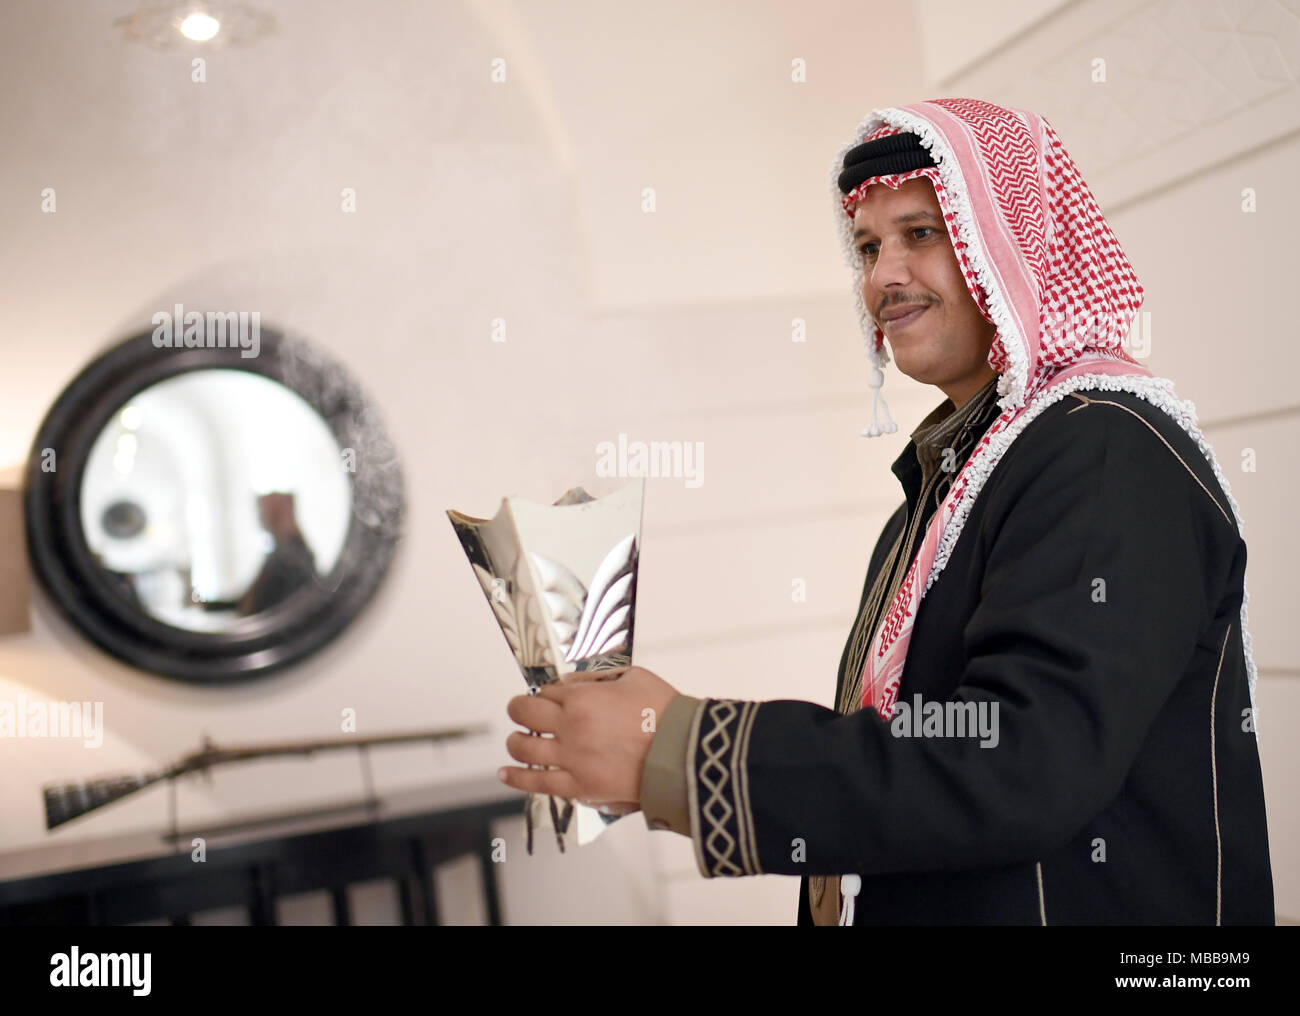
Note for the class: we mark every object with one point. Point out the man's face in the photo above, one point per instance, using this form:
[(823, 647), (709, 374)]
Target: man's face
[(909, 266)]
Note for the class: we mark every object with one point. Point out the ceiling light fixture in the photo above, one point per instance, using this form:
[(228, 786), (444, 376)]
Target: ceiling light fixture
[(187, 24), (200, 27)]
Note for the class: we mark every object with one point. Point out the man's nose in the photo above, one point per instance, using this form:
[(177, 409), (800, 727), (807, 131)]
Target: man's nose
[(891, 267)]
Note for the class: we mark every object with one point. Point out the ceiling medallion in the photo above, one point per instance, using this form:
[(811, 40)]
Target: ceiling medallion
[(188, 24)]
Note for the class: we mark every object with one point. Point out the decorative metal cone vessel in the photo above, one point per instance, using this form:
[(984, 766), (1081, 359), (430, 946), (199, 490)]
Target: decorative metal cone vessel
[(561, 580)]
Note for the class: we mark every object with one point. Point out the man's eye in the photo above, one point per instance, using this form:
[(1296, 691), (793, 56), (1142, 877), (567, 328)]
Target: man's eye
[(873, 252)]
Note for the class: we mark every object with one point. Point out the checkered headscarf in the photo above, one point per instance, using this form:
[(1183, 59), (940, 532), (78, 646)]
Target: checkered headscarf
[(1042, 265)]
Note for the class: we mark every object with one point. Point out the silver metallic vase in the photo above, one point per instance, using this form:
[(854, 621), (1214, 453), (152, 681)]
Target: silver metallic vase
[(561, 580)]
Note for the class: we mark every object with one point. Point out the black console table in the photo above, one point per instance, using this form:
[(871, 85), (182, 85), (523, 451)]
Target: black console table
[(147, 876)]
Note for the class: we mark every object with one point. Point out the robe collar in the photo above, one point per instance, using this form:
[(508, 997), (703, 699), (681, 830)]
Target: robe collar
[(932, 435)]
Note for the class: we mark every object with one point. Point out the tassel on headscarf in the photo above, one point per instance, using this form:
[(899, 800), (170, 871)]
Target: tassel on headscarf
[(876, 428), (850, 886)]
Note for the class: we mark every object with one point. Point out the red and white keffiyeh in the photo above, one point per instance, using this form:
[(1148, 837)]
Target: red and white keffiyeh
[(1042, 265)]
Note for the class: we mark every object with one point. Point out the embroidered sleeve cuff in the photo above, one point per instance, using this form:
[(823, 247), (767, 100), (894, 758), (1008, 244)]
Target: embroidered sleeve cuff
[(663, 779), (717, 788)]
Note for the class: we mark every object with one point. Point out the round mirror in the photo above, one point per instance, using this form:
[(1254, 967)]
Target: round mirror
[(205, 516), (209, 515)]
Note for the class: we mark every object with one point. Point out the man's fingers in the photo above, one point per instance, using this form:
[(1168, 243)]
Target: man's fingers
[(542, 751), (535, 713), (555, 782)]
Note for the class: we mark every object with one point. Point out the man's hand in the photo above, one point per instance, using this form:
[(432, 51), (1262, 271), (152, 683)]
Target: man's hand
[(600, 734)]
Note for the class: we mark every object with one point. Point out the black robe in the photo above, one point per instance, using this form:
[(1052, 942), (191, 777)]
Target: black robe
[(1094, 596)]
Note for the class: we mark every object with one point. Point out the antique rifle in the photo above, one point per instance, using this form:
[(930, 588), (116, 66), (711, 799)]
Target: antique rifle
[(66, 801)]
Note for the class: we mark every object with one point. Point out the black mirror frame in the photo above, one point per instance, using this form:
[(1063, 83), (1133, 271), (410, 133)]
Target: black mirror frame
[(257, 645)]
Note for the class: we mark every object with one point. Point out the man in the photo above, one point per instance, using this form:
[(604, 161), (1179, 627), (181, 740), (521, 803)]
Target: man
[(1045, 709)]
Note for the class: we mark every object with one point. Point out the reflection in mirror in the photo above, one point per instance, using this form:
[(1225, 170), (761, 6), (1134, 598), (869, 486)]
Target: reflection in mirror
[(213, 496)]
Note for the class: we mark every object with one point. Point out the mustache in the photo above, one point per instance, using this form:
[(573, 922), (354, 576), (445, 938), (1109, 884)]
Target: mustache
[(890, 304)]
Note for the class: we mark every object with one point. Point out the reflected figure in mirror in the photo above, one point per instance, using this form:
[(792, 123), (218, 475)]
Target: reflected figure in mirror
[(289, 566)]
